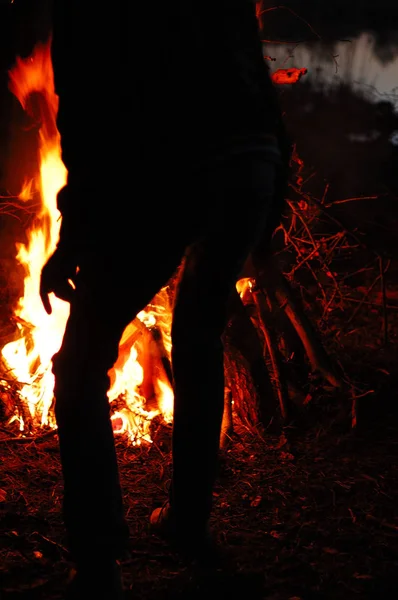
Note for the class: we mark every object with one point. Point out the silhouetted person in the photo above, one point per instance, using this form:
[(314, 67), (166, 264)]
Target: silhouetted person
[(173, 138)]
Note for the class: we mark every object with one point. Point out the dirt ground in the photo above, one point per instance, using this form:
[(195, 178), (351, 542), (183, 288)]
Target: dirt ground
[(306, 514)]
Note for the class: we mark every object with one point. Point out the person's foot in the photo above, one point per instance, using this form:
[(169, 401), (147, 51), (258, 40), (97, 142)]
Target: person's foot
[(191, 542), (96, 579)]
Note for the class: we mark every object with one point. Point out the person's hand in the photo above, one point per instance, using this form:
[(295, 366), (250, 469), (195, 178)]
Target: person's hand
[(57, 276)]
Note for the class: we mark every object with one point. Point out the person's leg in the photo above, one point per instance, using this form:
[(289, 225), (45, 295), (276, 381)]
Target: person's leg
[(108, 296), (243, 194)]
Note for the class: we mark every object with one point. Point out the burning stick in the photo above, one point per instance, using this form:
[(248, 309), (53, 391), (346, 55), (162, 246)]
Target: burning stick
[(277, 378), (253, 395), (227, 426)]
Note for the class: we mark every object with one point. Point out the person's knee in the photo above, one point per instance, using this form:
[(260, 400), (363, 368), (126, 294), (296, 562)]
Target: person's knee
[(80, 390), (196, 334)]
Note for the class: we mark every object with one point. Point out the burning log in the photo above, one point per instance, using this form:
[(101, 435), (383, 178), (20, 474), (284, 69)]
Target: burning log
[(156, 366), (163, 355), (8, 399), (271, 346), (14, 406), (227, 425), (247, 374)]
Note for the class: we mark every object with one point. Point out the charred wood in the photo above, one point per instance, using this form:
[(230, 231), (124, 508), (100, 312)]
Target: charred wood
[(252, 390)]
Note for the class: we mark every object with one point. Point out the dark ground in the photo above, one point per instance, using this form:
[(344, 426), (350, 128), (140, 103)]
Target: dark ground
[(310, 518)]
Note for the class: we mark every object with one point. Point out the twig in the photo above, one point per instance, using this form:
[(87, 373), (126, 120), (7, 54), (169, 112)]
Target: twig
[(368, 303), (366, 294), (310, 236), (382, 522), (272, 347), (56, 544), (345, 200), (261, 12), (283, 7), (299, 252), (334, 220), (28, 439), (383, 271)]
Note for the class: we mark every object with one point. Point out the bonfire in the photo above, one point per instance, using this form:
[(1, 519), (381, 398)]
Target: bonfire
[(27, 379)]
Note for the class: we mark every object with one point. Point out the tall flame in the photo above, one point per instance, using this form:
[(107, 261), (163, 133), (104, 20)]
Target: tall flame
[(29, 358)]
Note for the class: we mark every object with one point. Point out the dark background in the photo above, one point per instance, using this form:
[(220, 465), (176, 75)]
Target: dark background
[(322, 120), (343, 113)]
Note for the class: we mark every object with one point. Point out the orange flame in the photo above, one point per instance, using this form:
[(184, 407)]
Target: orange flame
[(29, 357)]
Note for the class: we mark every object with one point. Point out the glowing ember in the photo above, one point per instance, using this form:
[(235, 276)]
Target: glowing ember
[(28, 358), (244, 286), (288, 76)]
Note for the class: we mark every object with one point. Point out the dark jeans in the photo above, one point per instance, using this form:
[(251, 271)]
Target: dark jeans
[(112, 287)]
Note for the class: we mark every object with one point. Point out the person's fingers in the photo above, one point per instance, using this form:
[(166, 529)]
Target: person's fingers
[(55, 280), (44, 295), (64, 291)]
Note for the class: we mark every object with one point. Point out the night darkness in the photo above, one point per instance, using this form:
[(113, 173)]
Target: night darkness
[(305, 502)]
